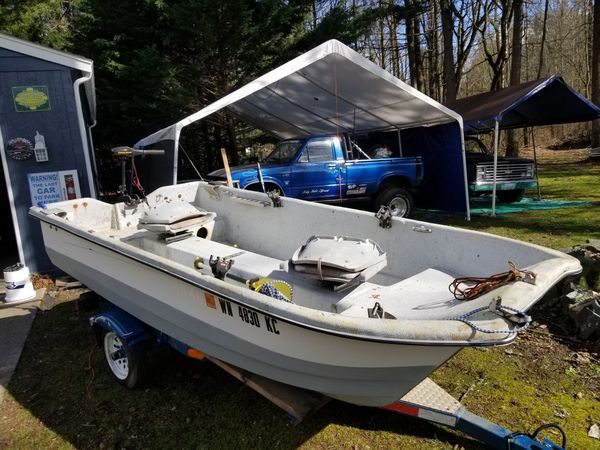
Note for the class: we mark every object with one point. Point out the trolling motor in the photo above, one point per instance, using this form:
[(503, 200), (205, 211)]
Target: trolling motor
[(125, 154)]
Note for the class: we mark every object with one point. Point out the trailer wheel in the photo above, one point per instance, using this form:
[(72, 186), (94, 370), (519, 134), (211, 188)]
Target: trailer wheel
[(127, 364), (397, 199)]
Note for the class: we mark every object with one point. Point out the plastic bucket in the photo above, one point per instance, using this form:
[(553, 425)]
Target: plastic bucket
[(18, 284)]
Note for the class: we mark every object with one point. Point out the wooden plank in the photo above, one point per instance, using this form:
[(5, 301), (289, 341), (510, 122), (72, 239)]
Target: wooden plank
[(226, 165), (297, 402), (67, 282)]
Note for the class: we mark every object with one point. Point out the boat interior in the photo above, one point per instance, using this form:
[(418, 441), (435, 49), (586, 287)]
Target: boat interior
[(324, 258)]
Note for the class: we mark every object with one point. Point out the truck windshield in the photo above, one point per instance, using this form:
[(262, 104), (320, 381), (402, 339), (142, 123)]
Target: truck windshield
[(284, 152), (475, 146)]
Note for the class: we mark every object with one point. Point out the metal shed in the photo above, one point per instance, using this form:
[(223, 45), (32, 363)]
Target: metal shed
[(47, 108)]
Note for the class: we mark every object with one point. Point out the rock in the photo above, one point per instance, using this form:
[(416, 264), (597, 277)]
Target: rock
[(579, 395), (563, 414), (583, 307), (593, 245), (594, 431), (581, 358)]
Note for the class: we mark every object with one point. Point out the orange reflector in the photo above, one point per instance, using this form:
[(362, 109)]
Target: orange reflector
[(403, 408), (210, 301), (193, 353)]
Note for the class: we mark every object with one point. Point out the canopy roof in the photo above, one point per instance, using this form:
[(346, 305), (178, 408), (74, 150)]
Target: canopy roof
[(540, 102), (330, 89)]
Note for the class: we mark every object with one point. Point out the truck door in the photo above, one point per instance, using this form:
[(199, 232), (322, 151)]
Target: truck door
[(316, 175)]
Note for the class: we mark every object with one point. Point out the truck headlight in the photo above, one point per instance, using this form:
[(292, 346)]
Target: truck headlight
[(480, 173), (530, 171)]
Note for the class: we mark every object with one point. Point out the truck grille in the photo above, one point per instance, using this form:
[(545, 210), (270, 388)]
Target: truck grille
[(508, 172)]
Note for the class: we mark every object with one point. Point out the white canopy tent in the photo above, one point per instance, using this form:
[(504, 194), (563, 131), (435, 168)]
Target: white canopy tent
[(329, 90)]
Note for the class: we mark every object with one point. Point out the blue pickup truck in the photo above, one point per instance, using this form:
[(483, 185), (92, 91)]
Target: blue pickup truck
[(335, 170)]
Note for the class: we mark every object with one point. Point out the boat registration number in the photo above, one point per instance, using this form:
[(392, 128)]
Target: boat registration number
[(250, 317)]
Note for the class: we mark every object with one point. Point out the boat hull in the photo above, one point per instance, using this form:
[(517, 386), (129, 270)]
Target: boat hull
[(354, 370)]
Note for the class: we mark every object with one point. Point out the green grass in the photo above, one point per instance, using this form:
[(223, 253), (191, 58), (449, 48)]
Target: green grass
[(557, 228), (55, 401)]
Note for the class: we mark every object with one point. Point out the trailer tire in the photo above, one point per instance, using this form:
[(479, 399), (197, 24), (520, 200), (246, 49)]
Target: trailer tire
[(128, 364), (397, 199)]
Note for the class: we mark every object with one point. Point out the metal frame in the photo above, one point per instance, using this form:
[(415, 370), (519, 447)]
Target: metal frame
[(427, 400)]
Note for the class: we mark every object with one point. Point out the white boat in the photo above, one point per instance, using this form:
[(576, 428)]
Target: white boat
[(360, 312)]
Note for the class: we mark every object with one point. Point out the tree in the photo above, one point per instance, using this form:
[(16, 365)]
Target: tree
[(43, 21), (543, 39), (512, 147), (447, 36), (497, 56), (596, 73)]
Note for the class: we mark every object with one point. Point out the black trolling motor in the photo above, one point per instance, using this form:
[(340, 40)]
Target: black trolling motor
[(125, 154)]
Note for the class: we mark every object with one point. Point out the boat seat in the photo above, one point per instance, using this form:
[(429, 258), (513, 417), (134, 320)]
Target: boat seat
[(414, 296), (246, 265), (176, 218), (340, 259)]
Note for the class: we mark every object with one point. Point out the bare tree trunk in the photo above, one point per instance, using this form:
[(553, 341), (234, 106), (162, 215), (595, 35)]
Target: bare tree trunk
[(498, 56), (416, 41), (512, 145), (395, 47), (596, 73), (410, 41), (382, 62), (543, 42), (433, 50), (449, 74)]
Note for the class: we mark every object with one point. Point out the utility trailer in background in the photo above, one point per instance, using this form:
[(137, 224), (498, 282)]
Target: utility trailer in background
[(125, 339)]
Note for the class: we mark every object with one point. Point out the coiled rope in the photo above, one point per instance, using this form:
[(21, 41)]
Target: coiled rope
[(468, 288)]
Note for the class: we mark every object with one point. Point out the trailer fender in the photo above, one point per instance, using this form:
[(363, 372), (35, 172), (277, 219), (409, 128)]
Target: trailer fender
[(127, 327)]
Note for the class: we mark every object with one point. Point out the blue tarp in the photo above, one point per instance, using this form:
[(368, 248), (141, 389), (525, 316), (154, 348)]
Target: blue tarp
[(440, 147), (535, 103)]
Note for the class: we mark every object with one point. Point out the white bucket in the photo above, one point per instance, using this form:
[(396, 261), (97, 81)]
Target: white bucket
[(18, 284)]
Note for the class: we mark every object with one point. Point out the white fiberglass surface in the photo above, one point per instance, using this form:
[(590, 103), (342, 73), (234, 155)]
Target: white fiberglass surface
[(264, 239)]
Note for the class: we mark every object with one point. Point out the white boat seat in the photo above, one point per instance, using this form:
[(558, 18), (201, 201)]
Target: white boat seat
[(420, 295), (174, 218), (339, 258)]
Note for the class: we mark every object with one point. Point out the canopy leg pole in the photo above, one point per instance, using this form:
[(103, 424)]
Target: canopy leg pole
[(535, 165), (399, 142), (496, 133)]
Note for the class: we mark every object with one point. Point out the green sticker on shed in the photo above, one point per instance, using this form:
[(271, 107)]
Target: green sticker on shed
[(31, 98)]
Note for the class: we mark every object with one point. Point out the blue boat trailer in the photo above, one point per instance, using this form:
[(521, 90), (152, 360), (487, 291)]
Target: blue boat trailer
[(426, 401)]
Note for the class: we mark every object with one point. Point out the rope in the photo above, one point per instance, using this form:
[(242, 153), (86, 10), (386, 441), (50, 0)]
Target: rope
[(269, 289), (135, 180), (192, 162), (502, 311), (88, 386), (469, 288)]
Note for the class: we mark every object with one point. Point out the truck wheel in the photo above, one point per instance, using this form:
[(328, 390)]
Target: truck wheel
[(512, 196), (127, 364), (397, 199)]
